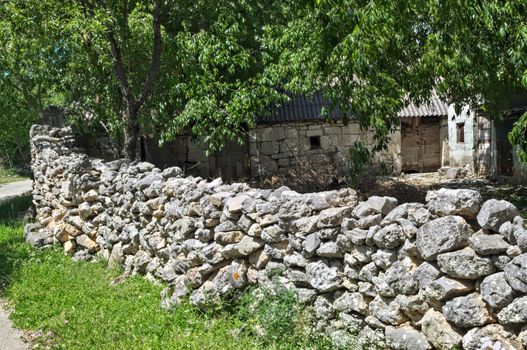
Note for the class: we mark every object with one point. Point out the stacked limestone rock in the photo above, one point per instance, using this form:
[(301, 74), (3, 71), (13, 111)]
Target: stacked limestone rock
[(452, 272)]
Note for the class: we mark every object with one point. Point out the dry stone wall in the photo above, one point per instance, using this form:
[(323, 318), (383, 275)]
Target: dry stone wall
[(451, 272)]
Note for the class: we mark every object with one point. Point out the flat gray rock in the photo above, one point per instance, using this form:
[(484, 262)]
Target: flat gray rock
[(484, 244), (352, 302), (384, 258), (333, 216), (495, 290), (447, 201), (466, 312), (438, 331), (322, 277), (494, 213), (249, 245), (489, 337), (329, 250), (406, 338), (400, 277), (515, 312), (426, 273), (389, 237), (36, 236), (466, 264), (446, 288), (382, 205), (312, 242), (442, 235), (516, 273), (387, 311)]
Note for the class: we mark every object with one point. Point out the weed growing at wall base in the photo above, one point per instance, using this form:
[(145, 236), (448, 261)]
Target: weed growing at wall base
[(279, 321)]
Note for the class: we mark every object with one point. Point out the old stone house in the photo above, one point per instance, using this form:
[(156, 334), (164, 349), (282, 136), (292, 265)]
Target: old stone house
[(467, 138), (294, 133), (430, 137), (424, 136)]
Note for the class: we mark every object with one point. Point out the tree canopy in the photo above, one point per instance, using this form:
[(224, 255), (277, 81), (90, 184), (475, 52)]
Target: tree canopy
[(146, 67), (382, 54), (156, 67)]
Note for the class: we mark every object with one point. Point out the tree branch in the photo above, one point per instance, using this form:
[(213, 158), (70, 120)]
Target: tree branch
[(120, 71), (155, 62)]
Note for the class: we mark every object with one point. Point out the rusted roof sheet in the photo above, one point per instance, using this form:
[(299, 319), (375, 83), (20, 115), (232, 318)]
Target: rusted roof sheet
[(300, 108), (435, 107)]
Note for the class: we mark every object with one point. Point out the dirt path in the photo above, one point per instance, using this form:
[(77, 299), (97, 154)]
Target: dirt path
[(10, 338), (14, 189)]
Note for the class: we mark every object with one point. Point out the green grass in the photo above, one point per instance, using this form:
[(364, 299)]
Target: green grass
[(9, 175), (10, 210), (76, 306)]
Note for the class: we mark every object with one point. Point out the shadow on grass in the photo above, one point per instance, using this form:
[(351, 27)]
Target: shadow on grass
[(11, 208), (13, 249)]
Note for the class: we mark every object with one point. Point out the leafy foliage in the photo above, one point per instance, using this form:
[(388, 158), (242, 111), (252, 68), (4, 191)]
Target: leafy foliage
[(382, 54), (223, 62), (30, 69), (360, 155), (210, 75)]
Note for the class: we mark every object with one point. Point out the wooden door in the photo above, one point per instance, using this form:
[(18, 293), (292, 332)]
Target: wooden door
[(420, 144)]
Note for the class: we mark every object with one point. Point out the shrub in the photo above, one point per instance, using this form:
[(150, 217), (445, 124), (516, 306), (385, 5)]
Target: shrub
[(278, 321)]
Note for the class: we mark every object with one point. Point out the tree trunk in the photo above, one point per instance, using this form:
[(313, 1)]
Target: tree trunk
[(131, 135), (133, 104)]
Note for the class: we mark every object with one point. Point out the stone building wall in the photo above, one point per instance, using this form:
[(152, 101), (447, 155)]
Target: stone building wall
[(274, 149), (487, 152), (520, 168), (462, 152), (451, 272)]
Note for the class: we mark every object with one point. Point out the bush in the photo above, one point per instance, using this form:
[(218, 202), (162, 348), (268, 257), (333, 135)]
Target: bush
[(278, 321), (327, 172)]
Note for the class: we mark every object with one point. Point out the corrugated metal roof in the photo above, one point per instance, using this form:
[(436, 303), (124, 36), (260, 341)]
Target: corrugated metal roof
[(300, 108), (435, 107)]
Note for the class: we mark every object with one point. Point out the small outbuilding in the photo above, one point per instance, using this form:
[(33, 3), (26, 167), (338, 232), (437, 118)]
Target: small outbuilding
[(298, 131)]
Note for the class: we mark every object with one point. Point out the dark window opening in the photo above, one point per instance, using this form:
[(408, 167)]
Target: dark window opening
[(314, 141), (461, 132)]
